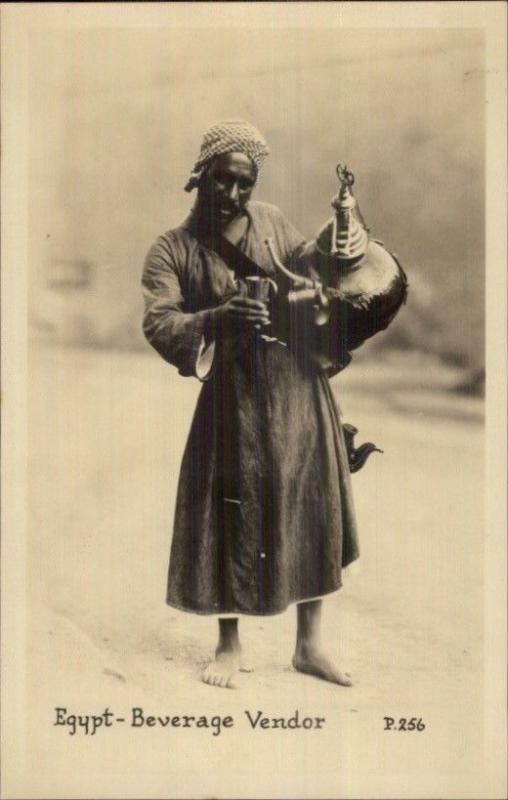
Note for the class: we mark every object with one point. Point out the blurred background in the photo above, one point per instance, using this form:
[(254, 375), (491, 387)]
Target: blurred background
[(116, 122)]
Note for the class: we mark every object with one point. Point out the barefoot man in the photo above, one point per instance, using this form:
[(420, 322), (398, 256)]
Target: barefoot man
[(264, 514)]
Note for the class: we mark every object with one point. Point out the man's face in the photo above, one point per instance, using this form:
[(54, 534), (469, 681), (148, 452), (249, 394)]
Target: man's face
[(227, 186)]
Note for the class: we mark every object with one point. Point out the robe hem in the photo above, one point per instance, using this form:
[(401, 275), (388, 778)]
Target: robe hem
[(225, 614)]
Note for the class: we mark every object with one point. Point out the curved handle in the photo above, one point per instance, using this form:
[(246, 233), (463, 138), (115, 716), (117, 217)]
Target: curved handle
[(273, 285), (321, 302)]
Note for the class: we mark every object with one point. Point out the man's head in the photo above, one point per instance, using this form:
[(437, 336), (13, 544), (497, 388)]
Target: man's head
[(228, 137), (226, 186)]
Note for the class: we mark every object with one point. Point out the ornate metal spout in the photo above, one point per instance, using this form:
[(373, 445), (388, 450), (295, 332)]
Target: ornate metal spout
[(357, 456)]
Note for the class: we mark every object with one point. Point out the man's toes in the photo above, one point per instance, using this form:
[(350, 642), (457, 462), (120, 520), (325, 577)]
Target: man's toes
[(231, 683)]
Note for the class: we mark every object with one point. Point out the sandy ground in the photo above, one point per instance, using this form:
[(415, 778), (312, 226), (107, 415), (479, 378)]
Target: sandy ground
[(106, 436)]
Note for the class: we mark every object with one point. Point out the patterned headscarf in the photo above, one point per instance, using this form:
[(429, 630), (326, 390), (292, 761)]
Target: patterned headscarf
[(228, 136)]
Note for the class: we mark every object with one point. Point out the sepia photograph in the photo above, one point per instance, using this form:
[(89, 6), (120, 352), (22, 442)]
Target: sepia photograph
[(254, 362)]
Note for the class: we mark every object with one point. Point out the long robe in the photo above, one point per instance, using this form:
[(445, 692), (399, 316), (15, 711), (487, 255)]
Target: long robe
[(264, 512)]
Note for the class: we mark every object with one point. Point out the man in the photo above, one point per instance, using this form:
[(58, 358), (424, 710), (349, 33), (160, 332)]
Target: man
[(264, 514)]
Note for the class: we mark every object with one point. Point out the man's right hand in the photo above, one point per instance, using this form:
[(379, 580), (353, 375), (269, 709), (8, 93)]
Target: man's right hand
[(240, 311)]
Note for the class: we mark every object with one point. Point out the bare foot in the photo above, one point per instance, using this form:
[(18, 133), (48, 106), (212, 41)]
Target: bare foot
[(311, 660), (223, 670)]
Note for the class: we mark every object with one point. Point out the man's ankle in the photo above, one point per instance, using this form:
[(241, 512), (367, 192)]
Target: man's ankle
[(229, 646), (307, 644)]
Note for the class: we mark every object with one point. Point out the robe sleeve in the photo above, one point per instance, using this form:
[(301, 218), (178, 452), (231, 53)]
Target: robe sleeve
[(181, 337)]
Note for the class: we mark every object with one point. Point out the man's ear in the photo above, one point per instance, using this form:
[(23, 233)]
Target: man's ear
[(205, 175), (202, 182)]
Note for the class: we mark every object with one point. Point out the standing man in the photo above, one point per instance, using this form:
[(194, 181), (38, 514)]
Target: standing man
[(264, 513)]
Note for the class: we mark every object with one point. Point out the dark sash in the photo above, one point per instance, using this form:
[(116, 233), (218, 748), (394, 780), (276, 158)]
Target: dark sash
[(234, 258)]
